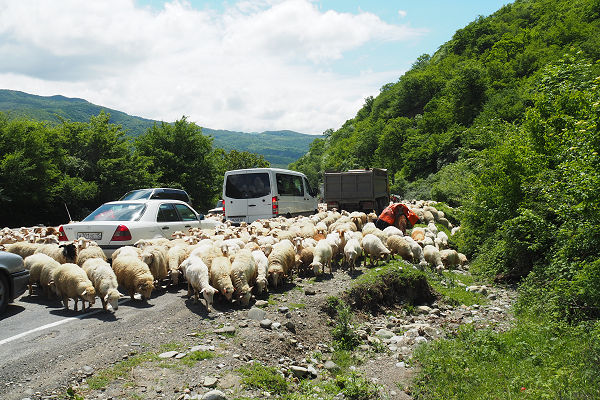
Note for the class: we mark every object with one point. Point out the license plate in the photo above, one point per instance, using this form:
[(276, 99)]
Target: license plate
[(237, 219), (90, 235)]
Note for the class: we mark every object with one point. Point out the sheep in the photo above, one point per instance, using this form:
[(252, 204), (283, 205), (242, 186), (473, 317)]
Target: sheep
[(156, 258), (243, 275), (418, 234), (24, 249), (262, 264), (392, 230), (175, 256), (398, 245), (64, 253), (449, 258), (417, 252), (304, 258), (151, 242), (71, 282), (104, 280), (281, 261), (39, 264), (462, 259), (220, 276), (322, 257), (133, 275), (433, 258), (126, 251), (196, 274), (90, 250), (352, 250), (374, 248)]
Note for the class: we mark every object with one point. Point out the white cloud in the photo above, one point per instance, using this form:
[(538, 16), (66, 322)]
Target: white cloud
[(259, 65), (402, 13)]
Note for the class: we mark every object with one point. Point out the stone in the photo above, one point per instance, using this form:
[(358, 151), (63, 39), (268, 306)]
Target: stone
[(384, 334), (168, 354), (225, 330), (310, 291), (210, 381), (88, 370), (230, 381), (276, 325), (266, 323), (202, 347), (290, 326), (180, 356), (283, 309), (330, 365), (214, 395), (312, 371), (423, 309), (298, 372), (261, 303), (256, 314), (401, 364)]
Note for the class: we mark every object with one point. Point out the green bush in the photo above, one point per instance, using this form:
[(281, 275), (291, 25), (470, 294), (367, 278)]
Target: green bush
[(264, 378), (344, 335)]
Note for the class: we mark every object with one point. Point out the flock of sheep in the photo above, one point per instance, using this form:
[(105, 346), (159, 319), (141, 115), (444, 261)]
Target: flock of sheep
[(233, 262)]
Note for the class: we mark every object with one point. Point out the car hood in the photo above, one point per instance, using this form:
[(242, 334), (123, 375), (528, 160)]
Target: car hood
[(12, 262)]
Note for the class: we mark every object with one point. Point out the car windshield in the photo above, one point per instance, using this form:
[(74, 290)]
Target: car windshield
[(137, 194), (117, 212), (247, 186)]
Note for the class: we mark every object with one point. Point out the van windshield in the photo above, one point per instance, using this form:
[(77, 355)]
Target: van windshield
[(247, 186)]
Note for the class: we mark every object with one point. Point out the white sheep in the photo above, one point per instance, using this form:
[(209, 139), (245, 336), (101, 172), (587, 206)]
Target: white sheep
[(243, 275), (392, 230), (64, 253), (433, 258), (196, 274), (398, 245), (262, 266), (175, 256), (24, 249), (35, 264), (71, 282), (450, 258), (220, 276), (374, 248), (88, 250), (127, 251), (156, 259), (322, 257), (133, 275), (352, 251), (104, 280), (281, 261)]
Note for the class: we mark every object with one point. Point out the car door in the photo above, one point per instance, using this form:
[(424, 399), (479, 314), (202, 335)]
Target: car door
[(168, 220), (189, 219)]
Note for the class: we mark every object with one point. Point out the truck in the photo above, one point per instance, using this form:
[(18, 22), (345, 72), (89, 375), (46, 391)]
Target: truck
[(357, 190)]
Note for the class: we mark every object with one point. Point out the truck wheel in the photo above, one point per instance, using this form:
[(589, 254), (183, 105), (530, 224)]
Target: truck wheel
[(4, 293)]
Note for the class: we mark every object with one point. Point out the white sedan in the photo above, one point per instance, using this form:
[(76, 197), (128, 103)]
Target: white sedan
[(122, 223)]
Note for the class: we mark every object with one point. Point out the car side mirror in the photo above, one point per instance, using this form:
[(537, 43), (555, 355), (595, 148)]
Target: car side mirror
[(314, 192), (200, 217)]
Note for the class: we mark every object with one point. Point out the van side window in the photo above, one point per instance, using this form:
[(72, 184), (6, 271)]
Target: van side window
[(289, 185), (307, 186)]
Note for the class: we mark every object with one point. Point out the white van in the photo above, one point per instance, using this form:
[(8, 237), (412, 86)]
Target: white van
[(260, 193)]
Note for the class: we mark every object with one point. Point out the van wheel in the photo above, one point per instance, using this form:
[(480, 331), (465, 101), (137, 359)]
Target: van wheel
[(288, 215)]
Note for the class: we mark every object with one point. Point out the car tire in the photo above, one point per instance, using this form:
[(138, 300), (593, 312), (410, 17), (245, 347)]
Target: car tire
[(4, 293)]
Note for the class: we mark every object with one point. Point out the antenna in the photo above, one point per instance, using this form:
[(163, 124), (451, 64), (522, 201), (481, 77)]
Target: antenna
[(68, 213)]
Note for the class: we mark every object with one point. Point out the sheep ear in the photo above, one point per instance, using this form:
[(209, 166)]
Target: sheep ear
[(84, 292)]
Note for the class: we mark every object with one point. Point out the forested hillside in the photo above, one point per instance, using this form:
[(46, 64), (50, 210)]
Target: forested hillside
[(501, 123), (278, 147)]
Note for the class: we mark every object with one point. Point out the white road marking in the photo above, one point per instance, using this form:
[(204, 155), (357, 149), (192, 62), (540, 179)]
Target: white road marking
[(52, 325)]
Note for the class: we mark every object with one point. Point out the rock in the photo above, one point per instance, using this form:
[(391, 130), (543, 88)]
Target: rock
[(423, 309), (230, 381), (298, 372), (225, 330), (283, 309), (310, 291), (401, 364), (210, 381), (290, 326), (330, 365), (312, 371), (276, 325), (384, 334), (168, 354), (266, 323), (88, 370), (180, 356), (202, 347), (256, 314), (214, 395), (261, 303)]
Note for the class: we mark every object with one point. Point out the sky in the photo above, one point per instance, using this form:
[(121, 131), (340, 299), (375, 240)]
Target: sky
[(242, 65)]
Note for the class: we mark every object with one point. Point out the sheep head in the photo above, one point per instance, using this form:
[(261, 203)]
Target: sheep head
[(89, 295), (174, 275), (208, 293), (228, 292), (70, 252), (145, 288), (261, 285), (112, 298), (317, 268)]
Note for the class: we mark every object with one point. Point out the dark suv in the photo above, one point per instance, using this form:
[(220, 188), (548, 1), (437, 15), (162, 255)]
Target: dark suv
[(157, 193)]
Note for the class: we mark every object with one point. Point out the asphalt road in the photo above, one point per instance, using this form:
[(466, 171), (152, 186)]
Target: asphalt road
[(42, 345)]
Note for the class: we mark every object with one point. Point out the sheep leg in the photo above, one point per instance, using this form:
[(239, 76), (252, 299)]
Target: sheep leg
[(189, 294), (66, 302), (30, 288), (195, 296), (76, 303), (132, 293), (103, 303)]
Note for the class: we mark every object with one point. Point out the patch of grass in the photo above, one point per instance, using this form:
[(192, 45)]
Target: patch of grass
[(390, 285), (352, 386), (192, 358), (343, 333), (296, 306), (452, 292), (202, 334), (331, 305), (119, 370), (173, 346), (269, 379), (536, 359)]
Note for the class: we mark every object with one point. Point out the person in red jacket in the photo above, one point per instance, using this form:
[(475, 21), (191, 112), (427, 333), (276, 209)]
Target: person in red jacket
[(398, 215)]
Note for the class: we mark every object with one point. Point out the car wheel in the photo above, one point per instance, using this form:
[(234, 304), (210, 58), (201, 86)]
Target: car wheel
[(4, 293)]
